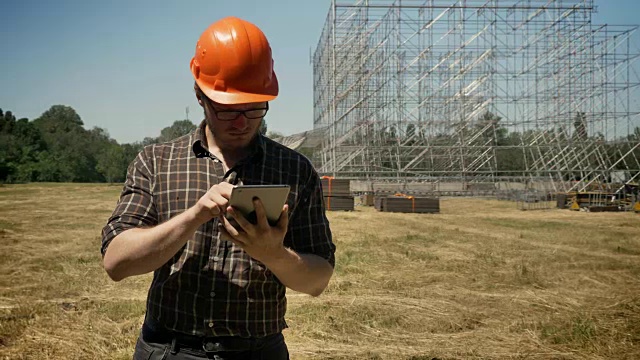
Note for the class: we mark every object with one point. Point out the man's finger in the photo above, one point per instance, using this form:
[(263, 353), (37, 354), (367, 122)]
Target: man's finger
[(229, 228), (244, 224), (211, 206), (261, 213), (225, 189), (224, 235), (283, 221), (219, 199), (237, 239)]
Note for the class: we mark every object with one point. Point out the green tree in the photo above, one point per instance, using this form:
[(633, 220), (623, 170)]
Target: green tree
[(56, 147), (491, 128), (59, 119), (307, 151), (177, 129), (112, 163), (71, 151), (20, 144), (510, 158), (53, 167), (410, 134), (580, 126)]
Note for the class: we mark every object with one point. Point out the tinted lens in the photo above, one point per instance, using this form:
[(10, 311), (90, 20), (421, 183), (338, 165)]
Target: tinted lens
[(255, 113), (249, 114), (227, 115)]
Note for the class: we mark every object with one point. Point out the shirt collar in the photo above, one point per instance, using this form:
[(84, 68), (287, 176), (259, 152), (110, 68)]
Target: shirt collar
[(199, 144)]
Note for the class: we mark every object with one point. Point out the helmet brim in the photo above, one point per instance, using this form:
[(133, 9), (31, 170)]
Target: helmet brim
[(231, 96)]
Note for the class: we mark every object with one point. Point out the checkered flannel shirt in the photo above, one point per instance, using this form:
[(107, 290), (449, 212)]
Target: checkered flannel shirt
[(212, 287)]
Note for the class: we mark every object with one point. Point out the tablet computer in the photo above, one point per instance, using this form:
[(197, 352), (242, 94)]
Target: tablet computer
[(273, 198)]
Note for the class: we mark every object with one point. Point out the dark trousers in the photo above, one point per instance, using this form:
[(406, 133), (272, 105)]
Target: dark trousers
[(155, 346)]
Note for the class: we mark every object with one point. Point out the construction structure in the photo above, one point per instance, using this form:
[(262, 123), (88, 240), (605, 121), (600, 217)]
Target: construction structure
[(476, 93)]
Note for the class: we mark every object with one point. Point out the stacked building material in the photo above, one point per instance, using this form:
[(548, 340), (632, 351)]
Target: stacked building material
[(337, 194), (408, 204), (364, 200), (561, 201), (377, 202)]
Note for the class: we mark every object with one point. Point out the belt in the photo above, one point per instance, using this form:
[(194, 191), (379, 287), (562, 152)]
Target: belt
[(207, 344)]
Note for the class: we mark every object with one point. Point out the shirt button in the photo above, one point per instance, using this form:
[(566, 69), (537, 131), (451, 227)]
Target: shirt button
[(211, 324), (213, 293)]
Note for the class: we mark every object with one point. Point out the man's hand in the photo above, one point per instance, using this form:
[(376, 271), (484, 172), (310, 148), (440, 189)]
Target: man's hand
[(261, 241), (141, 250), (213, 203), (306, 273)]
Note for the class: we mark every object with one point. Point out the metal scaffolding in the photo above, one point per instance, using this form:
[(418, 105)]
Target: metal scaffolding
[(476, 92)]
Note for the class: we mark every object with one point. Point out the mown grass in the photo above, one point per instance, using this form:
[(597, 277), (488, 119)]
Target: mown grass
[(480, 280)]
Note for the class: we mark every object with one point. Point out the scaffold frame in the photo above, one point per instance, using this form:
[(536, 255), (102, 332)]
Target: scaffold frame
[(476, 92)]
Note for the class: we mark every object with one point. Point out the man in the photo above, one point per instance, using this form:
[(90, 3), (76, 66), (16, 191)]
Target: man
[(218, 291)]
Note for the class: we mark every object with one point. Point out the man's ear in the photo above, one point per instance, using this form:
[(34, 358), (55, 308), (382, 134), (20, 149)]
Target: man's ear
[(199, 98)]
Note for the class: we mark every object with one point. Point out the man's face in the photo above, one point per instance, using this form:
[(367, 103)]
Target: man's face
[(234, 125)]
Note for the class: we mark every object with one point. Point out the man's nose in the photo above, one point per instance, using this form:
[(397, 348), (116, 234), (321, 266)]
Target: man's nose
[(241, 122)]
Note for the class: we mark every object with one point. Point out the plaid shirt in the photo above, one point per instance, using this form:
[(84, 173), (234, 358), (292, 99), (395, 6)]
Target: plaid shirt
[(212, 287)]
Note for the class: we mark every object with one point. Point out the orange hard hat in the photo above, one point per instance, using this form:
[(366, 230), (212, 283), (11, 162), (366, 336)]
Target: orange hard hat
[(233, 63)]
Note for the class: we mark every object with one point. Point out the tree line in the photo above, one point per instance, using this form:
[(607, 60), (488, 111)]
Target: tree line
[(56, 147)]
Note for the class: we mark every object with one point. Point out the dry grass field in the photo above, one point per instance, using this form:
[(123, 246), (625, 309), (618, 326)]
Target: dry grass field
[(481, 280)]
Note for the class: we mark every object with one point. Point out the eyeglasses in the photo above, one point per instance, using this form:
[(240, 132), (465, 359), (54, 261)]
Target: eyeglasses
[(228, 115)]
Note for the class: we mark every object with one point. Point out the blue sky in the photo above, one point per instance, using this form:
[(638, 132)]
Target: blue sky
[(123, 65)]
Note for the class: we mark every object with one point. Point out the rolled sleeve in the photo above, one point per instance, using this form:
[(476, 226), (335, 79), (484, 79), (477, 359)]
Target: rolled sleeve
[(135, 207), (309, 230)]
